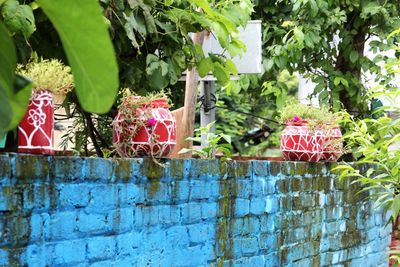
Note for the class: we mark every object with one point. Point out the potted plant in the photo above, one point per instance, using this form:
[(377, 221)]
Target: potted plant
[(310, 133), (50, 78), (144, 126)]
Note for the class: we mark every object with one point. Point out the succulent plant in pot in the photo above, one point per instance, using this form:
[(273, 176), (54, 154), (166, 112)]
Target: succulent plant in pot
[(50, 78), (144, 126), (310, 133)]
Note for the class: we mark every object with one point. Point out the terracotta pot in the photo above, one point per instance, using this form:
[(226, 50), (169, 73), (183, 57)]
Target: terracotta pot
[(300, 143), (155, 131), (35, 131)]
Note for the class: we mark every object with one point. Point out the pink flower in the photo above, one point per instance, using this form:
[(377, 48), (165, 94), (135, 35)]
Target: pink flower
[(296, 118), (151, 122)]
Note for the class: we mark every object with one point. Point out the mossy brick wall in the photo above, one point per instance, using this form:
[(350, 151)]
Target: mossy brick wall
[(66, 211)]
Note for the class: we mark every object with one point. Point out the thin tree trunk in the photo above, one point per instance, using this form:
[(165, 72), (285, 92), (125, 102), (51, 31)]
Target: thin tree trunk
[(189, 109), (91, 130), (344, 65)]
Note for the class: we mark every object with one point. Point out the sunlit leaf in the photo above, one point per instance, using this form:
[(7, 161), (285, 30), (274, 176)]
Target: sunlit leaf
[(89, 50)]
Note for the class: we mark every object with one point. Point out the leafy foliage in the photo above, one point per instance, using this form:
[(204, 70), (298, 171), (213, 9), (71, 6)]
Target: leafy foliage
[(151, 40), (14, 90), (325, 41), (89, 52), (212, 141), (248, 105), (375, 142), (18, 18), (153, 43)]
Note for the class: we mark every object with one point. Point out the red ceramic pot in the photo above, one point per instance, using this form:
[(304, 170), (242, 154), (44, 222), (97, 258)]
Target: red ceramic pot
[(151, 132), (332, 146), (35, 131), (300, 143)]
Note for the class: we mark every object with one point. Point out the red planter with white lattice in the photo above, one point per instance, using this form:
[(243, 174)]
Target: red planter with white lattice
[(300, 142), (35, 131), (150, 130), (332, 146)]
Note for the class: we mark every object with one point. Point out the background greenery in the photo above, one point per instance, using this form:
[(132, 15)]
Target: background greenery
[(320, 39)]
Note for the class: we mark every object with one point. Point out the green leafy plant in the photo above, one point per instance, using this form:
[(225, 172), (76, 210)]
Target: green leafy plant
[(89, 52), (294, 111), (51, 75), (327, 41), (156, 35), (375, 144), (212, 141)]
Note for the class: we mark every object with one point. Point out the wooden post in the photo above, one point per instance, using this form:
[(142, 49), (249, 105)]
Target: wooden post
[(185, 125)]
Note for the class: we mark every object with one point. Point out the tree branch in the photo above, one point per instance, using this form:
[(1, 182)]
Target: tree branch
[(91, 130)]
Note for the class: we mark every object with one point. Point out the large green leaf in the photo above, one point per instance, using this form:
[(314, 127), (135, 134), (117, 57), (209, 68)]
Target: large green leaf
[(14, 91), (8, 60), (90, 53), (19, 100), (18, 18)]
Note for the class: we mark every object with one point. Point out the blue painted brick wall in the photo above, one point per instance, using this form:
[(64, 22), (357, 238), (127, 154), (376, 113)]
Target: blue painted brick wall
[(66, 211)]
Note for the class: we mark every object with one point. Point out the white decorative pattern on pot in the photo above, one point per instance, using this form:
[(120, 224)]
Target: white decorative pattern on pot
[(35, 131), (299, 143), (332, 146), (151, 133)]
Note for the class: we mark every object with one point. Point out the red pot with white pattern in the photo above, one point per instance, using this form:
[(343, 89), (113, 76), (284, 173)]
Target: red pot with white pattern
[(332, 146), (146, 130), (35, 131), (299, 142)]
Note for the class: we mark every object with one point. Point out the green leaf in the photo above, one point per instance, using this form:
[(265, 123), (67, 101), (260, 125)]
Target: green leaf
[(6, 112), (222, 33), (221, 73), (395, 207), (268, 64), (18, 18), (131, 35), (19, 101), (14, 90), (336, 81), (89, 50), (168, 2), (299, 35), (344, 82), (231, 66), (236, 48), (179, 59), (8, 60), (226, 137), (203, 4), (157, 71), (205, 66), (353, 56)]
